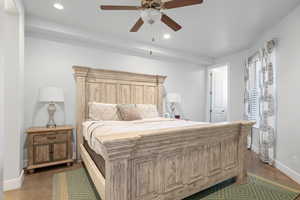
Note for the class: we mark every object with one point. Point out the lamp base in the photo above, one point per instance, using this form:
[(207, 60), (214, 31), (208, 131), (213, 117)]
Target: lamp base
[(51, 126), (51, 111), (173, 110)]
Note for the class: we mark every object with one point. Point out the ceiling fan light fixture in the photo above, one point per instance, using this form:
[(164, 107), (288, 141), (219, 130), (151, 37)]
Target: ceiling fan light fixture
[(151, 11), (151, 15)]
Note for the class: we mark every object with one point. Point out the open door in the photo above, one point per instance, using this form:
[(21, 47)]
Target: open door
[(218, 94)]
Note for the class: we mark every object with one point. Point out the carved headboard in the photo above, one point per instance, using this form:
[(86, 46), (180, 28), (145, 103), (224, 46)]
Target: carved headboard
[(115, 87)]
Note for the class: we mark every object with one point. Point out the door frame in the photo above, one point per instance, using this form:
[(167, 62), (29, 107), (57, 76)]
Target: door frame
[(1, 121), (208, 85)]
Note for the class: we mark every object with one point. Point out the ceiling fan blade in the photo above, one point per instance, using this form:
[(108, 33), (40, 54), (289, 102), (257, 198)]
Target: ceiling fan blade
[(170, 22), (137, 25), (180, 3), (108, 7)]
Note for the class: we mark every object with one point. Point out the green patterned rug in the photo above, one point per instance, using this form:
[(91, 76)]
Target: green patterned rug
[(76, 185)]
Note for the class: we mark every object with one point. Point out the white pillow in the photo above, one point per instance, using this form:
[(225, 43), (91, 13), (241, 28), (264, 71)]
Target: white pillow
[(147, 110), (103, 112)]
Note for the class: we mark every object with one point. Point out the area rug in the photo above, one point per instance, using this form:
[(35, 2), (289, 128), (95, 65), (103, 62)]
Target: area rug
[(76, 185)]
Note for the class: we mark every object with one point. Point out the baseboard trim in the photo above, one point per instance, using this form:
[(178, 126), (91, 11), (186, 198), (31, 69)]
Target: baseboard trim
[(282, 167), (288, 171), (15, 183)]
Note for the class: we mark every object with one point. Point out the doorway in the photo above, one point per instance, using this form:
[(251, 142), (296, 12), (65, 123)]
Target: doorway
[(218, 94)]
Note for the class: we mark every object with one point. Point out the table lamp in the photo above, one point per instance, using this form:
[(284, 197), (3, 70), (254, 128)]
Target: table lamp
[(174, 99), (51, 95)]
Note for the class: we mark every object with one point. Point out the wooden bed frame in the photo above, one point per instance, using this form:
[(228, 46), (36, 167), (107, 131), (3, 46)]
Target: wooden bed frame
[(167, 164)]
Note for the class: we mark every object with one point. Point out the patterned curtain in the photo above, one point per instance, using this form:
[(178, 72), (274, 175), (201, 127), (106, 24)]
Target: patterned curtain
[(267, 116), (267, 102), (247, 100)]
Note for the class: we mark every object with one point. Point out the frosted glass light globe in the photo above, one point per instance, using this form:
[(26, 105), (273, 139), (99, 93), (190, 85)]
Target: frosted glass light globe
[(151, 15)]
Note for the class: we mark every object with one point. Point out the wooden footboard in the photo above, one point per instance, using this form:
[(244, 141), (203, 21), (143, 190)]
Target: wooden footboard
[(174, 164)]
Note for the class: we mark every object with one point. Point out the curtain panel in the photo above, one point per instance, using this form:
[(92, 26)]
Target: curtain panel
[(247, 100), (267, 102)]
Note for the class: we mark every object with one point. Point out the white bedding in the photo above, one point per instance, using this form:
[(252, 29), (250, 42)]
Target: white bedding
[(94, 130)]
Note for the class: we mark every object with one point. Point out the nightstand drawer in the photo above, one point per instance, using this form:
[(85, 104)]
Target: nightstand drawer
[(50, 138)]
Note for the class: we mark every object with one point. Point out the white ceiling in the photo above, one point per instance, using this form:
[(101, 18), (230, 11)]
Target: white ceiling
[(213, 29)]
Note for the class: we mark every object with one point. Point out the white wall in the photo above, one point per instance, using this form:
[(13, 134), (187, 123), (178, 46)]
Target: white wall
[(236, 84), (1, 122), (1, 119), (21, 88), (288, 69), (1, 106), (12, 41), (49, 63)]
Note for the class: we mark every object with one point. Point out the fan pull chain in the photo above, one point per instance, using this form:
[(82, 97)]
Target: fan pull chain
[(152, 40), (151, 52)]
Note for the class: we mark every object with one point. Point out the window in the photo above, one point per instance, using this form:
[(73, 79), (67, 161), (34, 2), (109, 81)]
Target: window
[(254, 91)]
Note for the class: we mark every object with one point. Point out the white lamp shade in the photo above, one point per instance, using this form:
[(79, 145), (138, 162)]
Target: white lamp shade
[(51, 94), (174, 98)]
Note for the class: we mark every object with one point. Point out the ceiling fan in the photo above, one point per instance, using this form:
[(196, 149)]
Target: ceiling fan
[(151, 11)]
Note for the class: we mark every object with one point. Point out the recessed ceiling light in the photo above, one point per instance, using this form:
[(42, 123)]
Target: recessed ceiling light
[(58, 6), (167, 36)]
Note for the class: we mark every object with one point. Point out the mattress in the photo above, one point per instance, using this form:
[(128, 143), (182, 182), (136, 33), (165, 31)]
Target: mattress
[(98, 159), (96, 133)]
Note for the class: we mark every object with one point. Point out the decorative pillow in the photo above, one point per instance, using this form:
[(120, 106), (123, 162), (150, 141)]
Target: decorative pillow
[(147, 110), (129, 112), (103, 112)]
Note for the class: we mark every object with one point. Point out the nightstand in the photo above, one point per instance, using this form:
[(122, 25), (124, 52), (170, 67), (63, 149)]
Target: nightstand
[(49, 146)]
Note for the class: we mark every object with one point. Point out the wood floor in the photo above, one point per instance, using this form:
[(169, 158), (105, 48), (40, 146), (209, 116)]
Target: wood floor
[(38, 186)]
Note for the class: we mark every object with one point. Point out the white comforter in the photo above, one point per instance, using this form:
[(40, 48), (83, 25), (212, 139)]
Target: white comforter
[(94, 130)]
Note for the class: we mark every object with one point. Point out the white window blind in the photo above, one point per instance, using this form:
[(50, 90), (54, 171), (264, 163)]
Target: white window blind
[(254, 91)]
